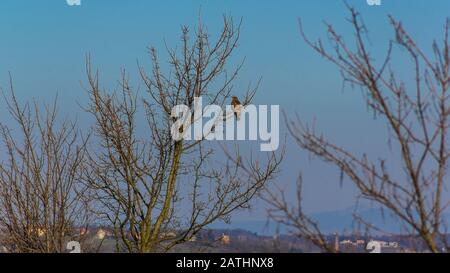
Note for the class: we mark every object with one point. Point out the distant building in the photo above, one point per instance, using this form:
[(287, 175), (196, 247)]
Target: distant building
[(83, 231), (169, 235), (347, 243), (394, 244), (225, 239), (101, 234)]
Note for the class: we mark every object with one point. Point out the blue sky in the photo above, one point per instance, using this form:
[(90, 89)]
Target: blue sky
[(43, 44)]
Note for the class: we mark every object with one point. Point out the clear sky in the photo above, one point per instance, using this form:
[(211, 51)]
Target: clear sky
[(43, 44)]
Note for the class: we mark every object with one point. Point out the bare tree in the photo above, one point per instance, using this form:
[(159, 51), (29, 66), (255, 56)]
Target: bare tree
[(40, 205), (156, 191), (417, 115)]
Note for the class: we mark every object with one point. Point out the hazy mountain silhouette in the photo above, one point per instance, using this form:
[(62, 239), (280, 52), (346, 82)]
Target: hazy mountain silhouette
[(342, 221)]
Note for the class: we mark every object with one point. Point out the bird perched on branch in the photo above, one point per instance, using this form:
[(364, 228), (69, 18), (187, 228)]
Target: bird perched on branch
[(237, 107)]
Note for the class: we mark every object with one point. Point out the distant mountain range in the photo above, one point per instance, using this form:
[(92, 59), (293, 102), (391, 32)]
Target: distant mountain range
[(341, 221), (344, 220)]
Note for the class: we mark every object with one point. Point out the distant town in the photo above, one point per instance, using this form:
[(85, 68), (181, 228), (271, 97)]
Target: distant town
[(102, 240)]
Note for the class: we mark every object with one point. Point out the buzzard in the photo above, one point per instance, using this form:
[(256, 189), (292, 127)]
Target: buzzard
[(237, 107)]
